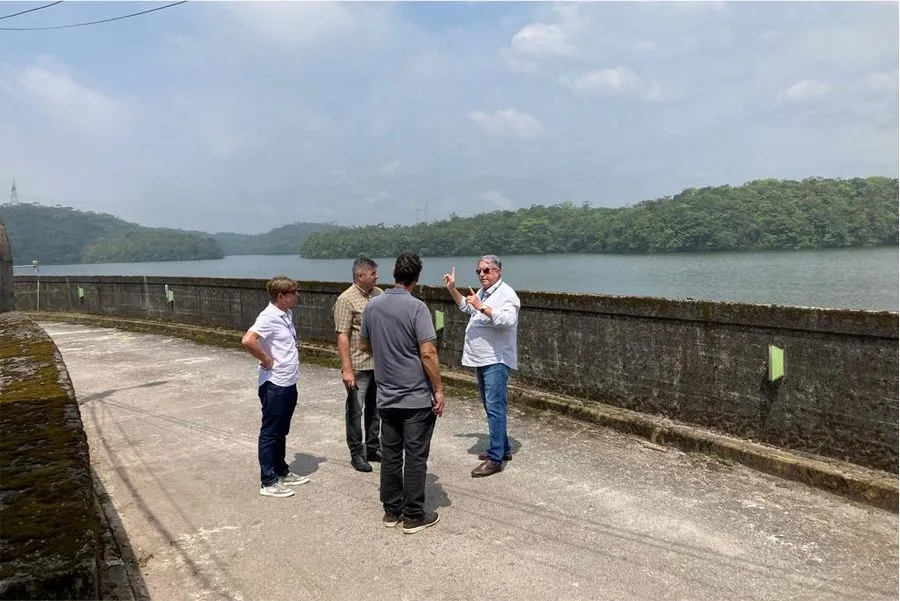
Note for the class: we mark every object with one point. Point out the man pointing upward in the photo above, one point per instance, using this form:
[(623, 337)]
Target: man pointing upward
[(490, 347)]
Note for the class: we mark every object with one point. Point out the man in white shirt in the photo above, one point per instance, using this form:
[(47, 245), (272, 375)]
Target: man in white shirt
[(490, 347), (273, 340)]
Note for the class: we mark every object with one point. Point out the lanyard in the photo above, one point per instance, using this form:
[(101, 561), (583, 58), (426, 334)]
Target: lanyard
[(290, 325)]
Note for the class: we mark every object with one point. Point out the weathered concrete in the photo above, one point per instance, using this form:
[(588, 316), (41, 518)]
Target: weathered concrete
[(49, 523), (580, 513), (697, 362), (875, 487), (7, 296)]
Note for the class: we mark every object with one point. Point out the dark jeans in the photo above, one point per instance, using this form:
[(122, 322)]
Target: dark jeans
[(278, 405), (492, 382), (360, 409), (405, 432)]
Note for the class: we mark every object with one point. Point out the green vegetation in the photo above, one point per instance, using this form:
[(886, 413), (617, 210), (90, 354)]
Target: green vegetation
[(65, 235), (284, 240), (151, 245), (760, 215)]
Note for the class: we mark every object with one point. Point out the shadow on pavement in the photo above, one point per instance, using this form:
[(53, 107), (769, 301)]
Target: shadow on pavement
[(305, 464), (120, 568), (482, 440), (102, 395), (435, 495)]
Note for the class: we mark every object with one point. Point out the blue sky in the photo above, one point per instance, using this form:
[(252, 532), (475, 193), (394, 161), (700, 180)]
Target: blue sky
[(242, 116)]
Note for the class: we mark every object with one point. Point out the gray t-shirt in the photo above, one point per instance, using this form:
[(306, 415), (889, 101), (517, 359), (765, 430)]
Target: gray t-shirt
[(394, 324)]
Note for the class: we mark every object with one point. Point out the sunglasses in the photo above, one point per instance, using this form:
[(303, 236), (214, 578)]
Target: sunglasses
[(294, 291), (485, 270)]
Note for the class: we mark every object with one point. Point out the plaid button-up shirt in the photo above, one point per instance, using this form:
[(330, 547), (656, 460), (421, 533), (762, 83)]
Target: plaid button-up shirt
[(348, 310)]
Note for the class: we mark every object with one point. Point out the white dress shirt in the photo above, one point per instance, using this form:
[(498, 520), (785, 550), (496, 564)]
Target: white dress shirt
[(279, 340), (491, 340)]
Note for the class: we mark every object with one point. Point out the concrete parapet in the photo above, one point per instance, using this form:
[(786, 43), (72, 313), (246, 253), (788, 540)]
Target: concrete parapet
[(7, 298), (49, 521)]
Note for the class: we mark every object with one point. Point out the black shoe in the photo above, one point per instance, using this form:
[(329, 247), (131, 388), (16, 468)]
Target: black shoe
[(360, 464), (391, 519), (374, 457), (411, 526)]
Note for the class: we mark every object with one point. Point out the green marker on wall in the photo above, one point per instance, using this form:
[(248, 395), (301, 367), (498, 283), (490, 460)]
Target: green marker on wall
[(438, 321), (776, 363)]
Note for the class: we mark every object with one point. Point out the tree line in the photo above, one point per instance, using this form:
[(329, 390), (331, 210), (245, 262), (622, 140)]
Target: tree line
[(62, 235), (284, 240), (765, 214)]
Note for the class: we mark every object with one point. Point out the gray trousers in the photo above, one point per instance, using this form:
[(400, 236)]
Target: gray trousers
[(361, 413)]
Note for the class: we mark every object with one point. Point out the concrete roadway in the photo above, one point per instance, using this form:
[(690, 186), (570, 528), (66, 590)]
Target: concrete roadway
[(580, 513)]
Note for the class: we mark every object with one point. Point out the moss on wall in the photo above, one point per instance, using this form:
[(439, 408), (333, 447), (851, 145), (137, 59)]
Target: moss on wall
[(50, 527)]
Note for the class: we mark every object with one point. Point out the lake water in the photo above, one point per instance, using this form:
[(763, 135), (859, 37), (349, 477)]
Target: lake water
[(844, 278)]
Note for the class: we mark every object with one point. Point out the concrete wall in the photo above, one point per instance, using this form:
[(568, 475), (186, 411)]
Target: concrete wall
[(49, 521), (698, 362), (7, 300)]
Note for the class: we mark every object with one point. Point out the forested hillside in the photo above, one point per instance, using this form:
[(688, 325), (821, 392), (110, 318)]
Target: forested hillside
[(54, 235), (760, 215), (284, 240), (151, 245)]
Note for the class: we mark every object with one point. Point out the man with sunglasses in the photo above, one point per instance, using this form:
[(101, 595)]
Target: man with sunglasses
[(273, 341), (490, 347)]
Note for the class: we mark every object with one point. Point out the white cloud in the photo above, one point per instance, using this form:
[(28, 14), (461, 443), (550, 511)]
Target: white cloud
[(508, 123), (542, 39), (602, 81), (498, 200), (886, 81), (293, 23), (517, 64), (75, 104), (804, 89)]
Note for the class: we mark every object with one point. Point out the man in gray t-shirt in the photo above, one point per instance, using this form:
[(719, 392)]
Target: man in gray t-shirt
[(397, 328)]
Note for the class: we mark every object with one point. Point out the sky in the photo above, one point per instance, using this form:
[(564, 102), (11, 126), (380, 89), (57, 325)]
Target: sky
[(244, 116)]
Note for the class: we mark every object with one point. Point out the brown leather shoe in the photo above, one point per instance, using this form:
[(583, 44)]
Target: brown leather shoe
[(486, 469), (484, 457)]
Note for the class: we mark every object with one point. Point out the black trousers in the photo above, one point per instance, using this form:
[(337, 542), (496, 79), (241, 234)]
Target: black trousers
[(405, 444)]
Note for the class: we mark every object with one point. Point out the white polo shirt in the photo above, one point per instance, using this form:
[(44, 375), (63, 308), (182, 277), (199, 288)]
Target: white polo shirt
[(491, 340), (279, 340)]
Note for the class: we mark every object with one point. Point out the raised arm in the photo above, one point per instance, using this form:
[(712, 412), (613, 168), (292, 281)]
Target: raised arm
[(450, 282)]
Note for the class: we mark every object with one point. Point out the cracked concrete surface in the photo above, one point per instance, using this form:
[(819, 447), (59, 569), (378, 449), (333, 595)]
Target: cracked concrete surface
[(581, 512)]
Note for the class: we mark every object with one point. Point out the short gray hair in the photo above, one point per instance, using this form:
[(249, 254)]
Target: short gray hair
[(494, 260), (362, 263)]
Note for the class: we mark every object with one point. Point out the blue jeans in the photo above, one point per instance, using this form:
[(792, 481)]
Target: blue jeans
[(278, 403), (492, 381)]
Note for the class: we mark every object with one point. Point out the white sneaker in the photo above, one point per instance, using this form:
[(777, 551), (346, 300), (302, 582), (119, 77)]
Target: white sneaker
[(275, 490), (292, 479)]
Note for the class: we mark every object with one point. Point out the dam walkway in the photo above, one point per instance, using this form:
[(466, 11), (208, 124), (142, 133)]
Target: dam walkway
[(580, 513)]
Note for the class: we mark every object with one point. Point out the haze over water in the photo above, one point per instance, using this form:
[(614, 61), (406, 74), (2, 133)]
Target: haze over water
[(864, 278)]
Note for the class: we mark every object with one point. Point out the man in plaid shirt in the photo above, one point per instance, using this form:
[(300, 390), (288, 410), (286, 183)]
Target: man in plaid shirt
[(358, 366)]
